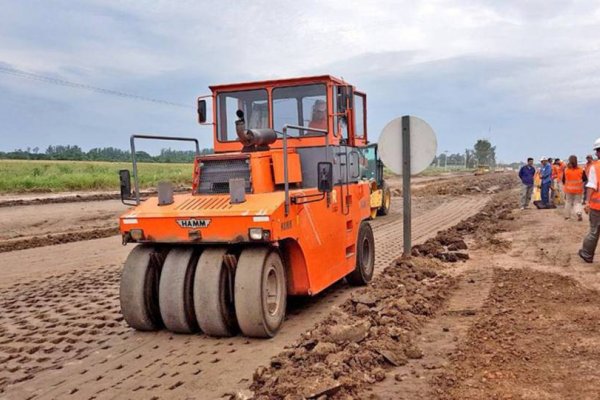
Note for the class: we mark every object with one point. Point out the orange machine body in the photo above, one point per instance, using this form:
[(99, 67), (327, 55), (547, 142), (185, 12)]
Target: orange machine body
[(317, 237)]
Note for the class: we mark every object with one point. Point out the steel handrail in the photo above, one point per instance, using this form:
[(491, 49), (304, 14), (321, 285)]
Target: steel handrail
[(152, 137)]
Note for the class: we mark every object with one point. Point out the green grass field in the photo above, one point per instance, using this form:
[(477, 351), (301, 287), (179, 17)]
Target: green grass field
[(59, 176)]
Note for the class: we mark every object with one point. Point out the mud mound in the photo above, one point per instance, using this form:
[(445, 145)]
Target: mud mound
[(486, 184), (359, 340), (57, 200), (80, 198), (59, 238), (450, 245), (531, 319)]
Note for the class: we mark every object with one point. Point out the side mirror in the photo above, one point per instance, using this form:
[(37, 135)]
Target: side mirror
[(325, 176), (201, 111), (125, 180)]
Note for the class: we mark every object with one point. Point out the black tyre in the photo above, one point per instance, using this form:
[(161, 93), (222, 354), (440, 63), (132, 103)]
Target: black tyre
[(175, 293), (386, 201), (138, 291), (212, 295), (260, 292), (365, 257)]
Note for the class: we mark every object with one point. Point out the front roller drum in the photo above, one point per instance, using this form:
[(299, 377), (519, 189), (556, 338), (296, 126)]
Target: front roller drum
[(260, 292), (213, 297), (138, 291), (175, 291)]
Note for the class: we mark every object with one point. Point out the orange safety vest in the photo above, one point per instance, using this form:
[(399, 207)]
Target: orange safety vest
[(595, 197), (574, 180), (557, 172)]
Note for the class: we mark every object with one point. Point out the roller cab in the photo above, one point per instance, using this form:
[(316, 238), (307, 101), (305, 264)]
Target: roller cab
[(280, 209)]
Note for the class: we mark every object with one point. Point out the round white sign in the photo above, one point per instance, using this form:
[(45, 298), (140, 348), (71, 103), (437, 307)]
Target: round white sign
[(423, 145)]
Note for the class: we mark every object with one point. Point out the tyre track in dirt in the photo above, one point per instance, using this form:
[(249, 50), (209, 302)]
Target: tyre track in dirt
[(102, 361)]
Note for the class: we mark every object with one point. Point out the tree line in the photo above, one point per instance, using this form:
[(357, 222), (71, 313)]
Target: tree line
[(75, 153), (482, 153)]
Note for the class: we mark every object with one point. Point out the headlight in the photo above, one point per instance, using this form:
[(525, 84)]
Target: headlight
[(259, 234), (136, 234)]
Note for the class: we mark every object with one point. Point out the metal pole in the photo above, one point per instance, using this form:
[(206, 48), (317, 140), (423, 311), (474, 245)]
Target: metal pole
[(286, 184), (406, 196), (136, 181)]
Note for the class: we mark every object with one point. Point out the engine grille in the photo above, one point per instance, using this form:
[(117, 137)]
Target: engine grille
[(215, 175)]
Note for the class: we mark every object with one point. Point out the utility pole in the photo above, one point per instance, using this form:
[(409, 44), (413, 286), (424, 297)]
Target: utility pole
[(446, 160)]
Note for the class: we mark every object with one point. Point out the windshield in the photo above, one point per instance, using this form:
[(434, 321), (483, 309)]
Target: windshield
[(253, 103), (368, 163), (300, 105)]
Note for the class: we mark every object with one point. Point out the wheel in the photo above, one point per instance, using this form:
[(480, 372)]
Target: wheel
[(260, 292), (138, 291), (365, 256), (386, 202), (212, 295), (175, 295)]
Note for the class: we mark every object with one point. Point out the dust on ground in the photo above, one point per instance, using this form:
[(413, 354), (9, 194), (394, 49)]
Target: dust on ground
[(538, 337), (482, 228), (23, 227), (375, 329), (126, 363), (489, 184), (41, 327), (352, 345), (532, 331)]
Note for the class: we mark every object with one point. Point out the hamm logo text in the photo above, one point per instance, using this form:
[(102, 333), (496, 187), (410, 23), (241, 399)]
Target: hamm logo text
[(193, 223)]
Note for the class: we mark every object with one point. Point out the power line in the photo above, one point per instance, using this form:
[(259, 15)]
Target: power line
[(61, 82)]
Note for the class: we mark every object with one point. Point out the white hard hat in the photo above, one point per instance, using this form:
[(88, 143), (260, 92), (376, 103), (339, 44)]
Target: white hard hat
[(597, 144), (544, 159)]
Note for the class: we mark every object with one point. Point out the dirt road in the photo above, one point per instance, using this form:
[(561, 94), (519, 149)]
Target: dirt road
[(518, 320), (522, 323), (62, 333)]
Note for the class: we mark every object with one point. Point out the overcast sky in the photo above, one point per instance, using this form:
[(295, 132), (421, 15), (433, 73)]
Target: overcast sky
[(524, 74)]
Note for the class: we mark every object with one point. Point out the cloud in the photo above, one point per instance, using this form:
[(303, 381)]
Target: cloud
[(528, 70)]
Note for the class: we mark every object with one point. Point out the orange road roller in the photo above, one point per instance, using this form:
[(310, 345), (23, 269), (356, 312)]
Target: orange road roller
[(280, 209)]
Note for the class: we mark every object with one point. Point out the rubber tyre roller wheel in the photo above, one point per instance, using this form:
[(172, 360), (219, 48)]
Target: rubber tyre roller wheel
[(260, 292), (175, 291), (365, 257), (138, 291), (386, 200), (214, 309)]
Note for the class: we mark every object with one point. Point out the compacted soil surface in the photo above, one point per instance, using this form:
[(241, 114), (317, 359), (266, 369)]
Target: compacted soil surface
[(62, 335)]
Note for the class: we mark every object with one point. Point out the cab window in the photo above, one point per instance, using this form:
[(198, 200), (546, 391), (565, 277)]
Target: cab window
[(340, 124), (254, 104), (359, 116), (304, 106)]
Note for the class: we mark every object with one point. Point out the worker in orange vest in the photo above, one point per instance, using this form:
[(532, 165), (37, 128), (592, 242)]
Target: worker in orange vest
[(558, 168), (573, 180), (592, 207)]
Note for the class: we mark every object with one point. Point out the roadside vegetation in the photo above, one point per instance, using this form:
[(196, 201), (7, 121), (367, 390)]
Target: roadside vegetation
[(56, 176), (75, 153)]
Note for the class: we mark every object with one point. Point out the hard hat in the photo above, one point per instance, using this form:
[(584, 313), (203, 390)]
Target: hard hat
[(597, 144), (544, 159)]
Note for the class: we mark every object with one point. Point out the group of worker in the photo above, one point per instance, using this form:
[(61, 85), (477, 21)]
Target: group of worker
[(570, 184)]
